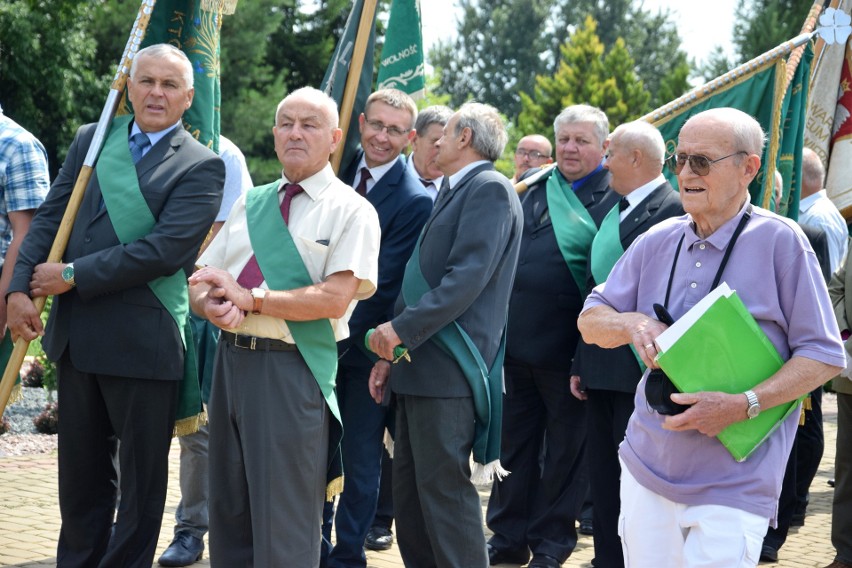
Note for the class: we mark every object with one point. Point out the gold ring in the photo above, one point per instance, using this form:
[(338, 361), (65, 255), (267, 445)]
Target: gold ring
[(649, 345)]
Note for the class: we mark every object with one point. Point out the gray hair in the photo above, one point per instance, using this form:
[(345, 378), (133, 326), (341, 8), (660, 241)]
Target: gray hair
[(161, 51), (435, 114), (316, 96), (813, 172), (394, 98), (584, 114), (488, 130), (746, 133), (641, 135)]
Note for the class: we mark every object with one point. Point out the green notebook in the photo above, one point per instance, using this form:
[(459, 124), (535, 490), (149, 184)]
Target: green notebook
[(718, 346)]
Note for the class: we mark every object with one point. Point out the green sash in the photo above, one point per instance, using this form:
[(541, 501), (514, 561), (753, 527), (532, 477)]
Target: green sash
[(283, 269), (132, 219), (573, 227), (485, 384), (606, 247), (606, 250)]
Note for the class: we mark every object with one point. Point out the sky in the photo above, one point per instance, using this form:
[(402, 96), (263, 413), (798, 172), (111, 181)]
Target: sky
[(701, 25)]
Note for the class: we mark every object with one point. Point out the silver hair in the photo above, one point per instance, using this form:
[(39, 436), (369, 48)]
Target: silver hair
[(584, 114), (435, 114), (813, 172), (746, 133), (488, 130), (162, 50), (316, 96), (641, 135)]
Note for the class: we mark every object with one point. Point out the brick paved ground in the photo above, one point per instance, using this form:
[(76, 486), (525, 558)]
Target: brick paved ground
[(29, 515)]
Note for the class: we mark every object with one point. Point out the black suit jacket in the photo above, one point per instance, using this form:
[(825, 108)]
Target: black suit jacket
[(617, 369), (819, 242), (546, 300), (403, 206), (111, 322), (468, 255)]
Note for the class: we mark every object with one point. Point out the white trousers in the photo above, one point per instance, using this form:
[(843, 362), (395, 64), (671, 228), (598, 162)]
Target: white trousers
[(658, 533)]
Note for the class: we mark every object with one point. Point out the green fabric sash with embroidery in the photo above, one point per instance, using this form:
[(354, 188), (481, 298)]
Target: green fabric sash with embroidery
[(573, 227), (283, 269), (132, 219), (485, 384)]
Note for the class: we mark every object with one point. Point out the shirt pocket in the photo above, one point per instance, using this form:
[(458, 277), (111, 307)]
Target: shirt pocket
[(315, 257)]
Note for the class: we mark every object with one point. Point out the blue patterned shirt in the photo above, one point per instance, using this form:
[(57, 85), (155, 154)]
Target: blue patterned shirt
[(24, 179)]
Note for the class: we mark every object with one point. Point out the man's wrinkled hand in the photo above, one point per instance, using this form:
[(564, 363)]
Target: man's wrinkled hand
[(222, 279), (383, 340), (47, 280), (577, 388), (22, 317), (708, 412), (379, 377)]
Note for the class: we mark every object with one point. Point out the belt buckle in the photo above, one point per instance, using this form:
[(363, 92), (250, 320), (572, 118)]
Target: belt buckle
[(253, 343)]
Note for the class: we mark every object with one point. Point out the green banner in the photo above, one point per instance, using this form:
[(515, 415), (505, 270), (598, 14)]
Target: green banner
[(401, 65), (794, 111), (756, 93), (195, 31), (334, 82)]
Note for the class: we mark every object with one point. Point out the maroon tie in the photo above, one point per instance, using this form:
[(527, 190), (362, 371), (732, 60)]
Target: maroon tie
[(362, 185), (251, 276)]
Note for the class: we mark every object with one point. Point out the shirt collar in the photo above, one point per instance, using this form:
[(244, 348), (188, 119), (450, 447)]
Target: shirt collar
[(636, 196), (577, 184), (377, 172), (722, 236), (315, 184), (459, 175), (154, 137), (808, 202), (412, 171)]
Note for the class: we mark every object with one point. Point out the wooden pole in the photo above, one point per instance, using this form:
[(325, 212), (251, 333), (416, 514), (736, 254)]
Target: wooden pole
[(13, 367), (353, 78)]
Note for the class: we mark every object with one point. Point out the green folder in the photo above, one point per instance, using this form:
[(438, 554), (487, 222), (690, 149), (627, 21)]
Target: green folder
[(718, 346)]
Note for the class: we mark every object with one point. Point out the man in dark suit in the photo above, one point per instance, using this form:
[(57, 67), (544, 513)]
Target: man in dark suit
[(451, 316), (387, 126), (535, 508), (606, 378), (119, 343)]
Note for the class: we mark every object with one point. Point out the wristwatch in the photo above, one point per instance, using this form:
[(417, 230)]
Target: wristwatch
[(753, 405), (257, 296), (68, 274)]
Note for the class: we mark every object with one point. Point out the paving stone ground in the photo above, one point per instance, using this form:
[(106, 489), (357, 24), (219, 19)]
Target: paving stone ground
[(29, 514)]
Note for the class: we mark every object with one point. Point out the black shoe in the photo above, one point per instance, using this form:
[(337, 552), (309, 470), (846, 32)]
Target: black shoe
[(184, 550), (586, 527), (496, 556), (768, 553), (544, 561), (830, 482), (378, 538)]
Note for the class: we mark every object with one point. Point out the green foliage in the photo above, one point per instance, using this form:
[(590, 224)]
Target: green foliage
[(761, 25), (586, 75), (46, 79), (496, 54)]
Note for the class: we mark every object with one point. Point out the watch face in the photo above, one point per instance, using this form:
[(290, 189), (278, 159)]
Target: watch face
[(753, 410), (67, 273)]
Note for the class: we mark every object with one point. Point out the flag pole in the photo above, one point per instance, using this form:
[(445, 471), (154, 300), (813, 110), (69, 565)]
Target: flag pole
[(137, 33), (807, 27), (368, 13), (696, 95)]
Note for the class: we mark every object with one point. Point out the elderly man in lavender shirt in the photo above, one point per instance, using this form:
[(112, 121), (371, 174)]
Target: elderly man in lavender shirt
[(685, 501)]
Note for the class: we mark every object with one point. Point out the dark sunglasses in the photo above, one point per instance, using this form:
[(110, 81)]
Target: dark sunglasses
[(700, 165)]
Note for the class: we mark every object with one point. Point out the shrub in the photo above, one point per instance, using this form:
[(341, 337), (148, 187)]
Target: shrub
[(5, 425), (35, 375), (48, 421)]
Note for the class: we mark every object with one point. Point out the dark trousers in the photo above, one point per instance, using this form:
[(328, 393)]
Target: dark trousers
[(438, 514), (802, 466), (607, 414), (364, 424), (384, 508), (537, 505), (97, 410), (841, 508)]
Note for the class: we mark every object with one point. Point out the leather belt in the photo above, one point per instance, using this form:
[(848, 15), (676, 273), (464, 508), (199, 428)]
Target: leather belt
[(257, 343)]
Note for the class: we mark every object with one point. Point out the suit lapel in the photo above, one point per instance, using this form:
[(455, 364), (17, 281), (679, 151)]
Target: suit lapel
[(637, 220), (384, 188), (442, 201)]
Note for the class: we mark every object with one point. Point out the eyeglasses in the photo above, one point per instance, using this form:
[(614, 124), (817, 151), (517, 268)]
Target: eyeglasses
[(700, 165), (531, 154), (393, 131)]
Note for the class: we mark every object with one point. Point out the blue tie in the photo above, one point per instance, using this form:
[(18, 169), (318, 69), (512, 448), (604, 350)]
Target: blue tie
[(138, 143)]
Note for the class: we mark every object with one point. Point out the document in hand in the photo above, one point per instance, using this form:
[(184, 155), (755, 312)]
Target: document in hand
[(718, 346)]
